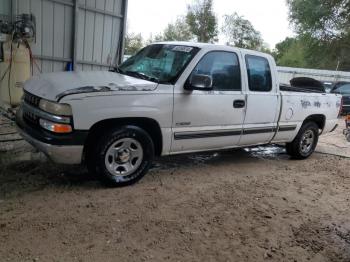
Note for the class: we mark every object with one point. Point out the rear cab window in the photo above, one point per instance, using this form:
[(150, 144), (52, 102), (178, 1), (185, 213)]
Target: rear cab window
[(259, 73)]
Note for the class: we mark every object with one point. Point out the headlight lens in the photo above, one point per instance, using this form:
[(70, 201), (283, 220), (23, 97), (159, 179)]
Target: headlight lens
[(55, 108)]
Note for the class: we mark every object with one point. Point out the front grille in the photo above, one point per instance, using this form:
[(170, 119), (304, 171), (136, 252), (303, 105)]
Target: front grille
[(30, 117), (31, 99)]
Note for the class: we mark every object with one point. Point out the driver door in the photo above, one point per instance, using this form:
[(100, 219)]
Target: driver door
[(207, 120)]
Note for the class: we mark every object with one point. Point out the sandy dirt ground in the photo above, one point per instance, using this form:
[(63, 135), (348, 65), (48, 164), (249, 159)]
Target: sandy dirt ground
[(239, 205), (335, 142)]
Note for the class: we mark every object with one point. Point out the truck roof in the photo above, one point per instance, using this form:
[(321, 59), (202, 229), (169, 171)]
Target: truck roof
[(195, 44), (209, 47)]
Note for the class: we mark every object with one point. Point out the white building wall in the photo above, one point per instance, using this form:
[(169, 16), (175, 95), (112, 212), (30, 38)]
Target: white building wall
[(287, 73)]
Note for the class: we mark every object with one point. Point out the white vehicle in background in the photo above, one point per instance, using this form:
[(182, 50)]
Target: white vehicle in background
[(170, 98)]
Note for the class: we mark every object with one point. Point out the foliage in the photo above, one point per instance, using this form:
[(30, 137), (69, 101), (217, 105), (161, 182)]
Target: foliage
[(241, 33), (265, 48), (178, 31), (333, 55), (323, 40), (306, 51), (322, 19), (155, 38), (133, 43), (202, 21), (290, 52)]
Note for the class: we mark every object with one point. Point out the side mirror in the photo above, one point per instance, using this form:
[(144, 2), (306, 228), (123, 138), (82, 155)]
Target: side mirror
[(199, 82)]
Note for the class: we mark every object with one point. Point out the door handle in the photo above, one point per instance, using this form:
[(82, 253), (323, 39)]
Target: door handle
[(238, 103)]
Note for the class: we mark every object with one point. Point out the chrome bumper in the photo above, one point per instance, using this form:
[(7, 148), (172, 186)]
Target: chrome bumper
[(65, 154)]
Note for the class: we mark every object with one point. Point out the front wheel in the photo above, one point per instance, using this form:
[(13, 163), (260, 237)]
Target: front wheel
[(305, 142), (123, 155)]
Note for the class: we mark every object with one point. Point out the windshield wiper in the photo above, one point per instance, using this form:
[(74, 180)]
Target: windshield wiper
[(141, 76)]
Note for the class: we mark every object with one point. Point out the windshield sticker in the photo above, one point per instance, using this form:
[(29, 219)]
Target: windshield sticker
[(181, 48)]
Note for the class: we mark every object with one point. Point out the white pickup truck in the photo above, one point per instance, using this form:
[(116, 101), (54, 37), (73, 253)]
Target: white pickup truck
[(170, 98)]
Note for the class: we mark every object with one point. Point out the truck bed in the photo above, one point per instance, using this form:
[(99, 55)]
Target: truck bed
[(289, 88)]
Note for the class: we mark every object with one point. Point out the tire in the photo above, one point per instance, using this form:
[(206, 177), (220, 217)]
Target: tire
[(122, 156), (305, 142)]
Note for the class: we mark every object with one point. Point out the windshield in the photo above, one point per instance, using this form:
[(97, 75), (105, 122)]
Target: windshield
[(159, 63)]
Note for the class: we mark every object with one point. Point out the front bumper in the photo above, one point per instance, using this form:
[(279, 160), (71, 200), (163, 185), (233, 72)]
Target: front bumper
[(64, 154), (61, 149)]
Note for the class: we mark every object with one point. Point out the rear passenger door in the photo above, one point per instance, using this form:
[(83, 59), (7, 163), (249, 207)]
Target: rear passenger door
[(205, 120), (262, 100)]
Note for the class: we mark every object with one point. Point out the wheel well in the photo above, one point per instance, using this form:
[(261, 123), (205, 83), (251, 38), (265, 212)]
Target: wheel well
[(320, 120), (151, 126)]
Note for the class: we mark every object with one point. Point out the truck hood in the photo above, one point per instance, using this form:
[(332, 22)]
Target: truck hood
[(54, 86)]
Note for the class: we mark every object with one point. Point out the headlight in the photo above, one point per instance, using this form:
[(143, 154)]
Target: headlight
[(55, 108)]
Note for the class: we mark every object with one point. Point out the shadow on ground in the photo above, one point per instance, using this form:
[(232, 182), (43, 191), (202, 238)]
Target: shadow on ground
[(19, 176)]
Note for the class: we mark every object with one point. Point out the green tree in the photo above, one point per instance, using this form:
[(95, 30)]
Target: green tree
[(178, 31), (265, 48), (324, 31), (241, 33), (290, 52), (202, 21), (322, 19), (283, 47), (133, 43), (333, 55), (307, 51), (155, 38)]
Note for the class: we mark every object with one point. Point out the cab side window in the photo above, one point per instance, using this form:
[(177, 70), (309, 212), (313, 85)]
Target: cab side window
[(223, 67), (259, 73)]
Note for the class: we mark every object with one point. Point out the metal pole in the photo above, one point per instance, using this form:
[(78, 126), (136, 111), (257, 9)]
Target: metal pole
[(13, 10), (338, 65), (75, 39), (123, 32)]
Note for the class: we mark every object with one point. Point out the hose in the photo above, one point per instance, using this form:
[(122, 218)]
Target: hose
[(31, 57)]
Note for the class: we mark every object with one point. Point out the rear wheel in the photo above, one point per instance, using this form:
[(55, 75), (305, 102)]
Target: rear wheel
[(122, 156), (305, 142)]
